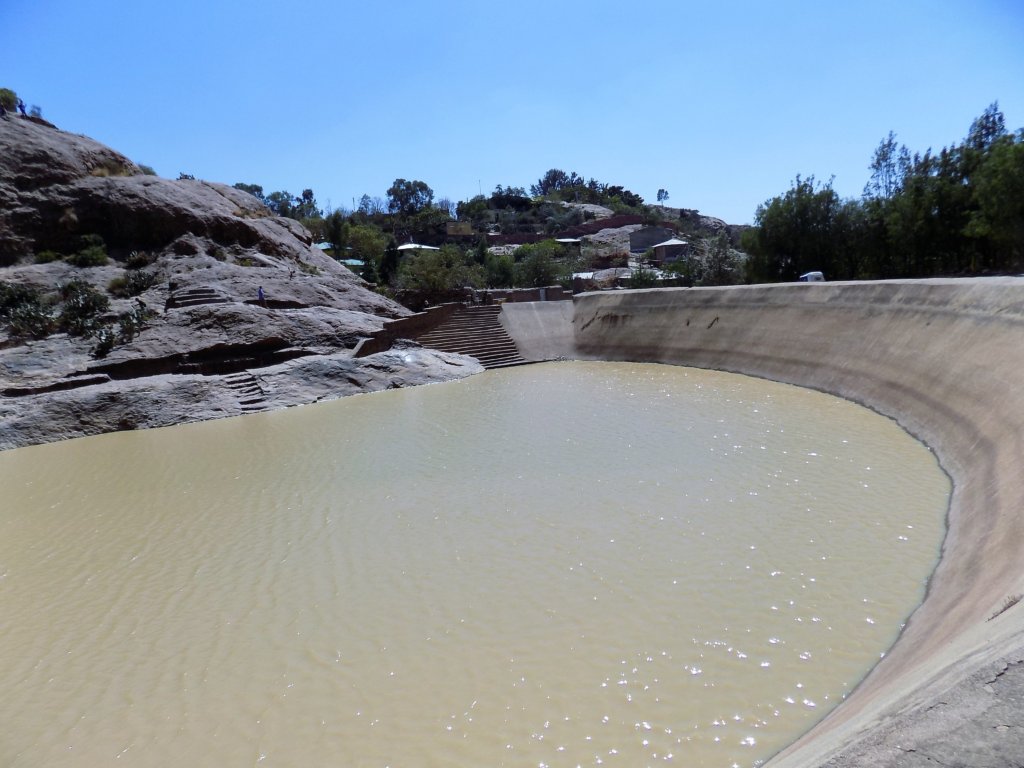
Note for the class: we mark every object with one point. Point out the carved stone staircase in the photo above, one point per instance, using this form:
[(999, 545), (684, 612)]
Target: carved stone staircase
[(193, 297), (475, 331), (247, 390)]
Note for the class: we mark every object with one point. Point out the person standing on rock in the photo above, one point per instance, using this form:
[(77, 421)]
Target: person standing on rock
[(261, 297), (21, 108)]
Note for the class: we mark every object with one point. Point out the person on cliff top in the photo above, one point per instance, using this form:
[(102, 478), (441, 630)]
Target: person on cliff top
[(21, 108)]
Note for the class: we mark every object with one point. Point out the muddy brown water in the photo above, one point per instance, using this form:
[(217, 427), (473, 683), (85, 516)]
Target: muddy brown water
[(554, 565)]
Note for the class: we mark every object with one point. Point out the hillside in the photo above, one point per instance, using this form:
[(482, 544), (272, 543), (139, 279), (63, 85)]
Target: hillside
[(129, 300)]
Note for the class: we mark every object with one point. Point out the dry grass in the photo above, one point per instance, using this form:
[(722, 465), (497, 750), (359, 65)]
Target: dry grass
[(1008, 603), (110, 168)]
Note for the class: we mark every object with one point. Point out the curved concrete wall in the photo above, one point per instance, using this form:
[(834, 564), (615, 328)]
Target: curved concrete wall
[(944, 358)]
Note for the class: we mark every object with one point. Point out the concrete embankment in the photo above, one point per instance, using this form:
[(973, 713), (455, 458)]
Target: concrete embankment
[(945, 359)]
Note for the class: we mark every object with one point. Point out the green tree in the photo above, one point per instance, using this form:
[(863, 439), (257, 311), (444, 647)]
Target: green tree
[(253, 189), (409, 197), (389, 263), (8, 98), (475, 210), (537, 265), (793, 233), (889, 167), (553, 180), (368, 244), (337, 231), (716, 261), (370, 206), (999, 197), (440, 271), (305, 206), (615, 196), (958, 211), (987, 129), (282, 203), (428, 225), (514, 198), (500, 270), (642, 278)]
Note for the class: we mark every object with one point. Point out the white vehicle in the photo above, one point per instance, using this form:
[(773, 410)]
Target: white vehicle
[(812, 277)]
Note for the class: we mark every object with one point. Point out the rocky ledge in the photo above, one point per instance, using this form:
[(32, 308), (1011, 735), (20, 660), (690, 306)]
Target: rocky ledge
[(175, 272)]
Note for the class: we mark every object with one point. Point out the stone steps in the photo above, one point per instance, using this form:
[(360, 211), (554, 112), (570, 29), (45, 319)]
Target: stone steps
[(194, 297), (475, 331), (247, 389)]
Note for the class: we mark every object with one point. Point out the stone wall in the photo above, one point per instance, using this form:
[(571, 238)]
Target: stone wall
[(405, 328)]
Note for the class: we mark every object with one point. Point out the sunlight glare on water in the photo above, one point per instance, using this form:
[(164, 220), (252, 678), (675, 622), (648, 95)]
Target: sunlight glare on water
[(553, 565)]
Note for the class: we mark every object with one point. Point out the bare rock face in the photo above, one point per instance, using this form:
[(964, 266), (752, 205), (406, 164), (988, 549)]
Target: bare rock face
[(206, 251), (163, 400)]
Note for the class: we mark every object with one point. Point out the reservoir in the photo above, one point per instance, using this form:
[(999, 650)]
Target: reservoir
[(553, 565)]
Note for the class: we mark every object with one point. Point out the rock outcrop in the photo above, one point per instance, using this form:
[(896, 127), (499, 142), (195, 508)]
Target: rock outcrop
[(206, 250)]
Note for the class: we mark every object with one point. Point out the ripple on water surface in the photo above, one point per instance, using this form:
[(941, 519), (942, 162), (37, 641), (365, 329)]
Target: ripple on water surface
[(561, 564)]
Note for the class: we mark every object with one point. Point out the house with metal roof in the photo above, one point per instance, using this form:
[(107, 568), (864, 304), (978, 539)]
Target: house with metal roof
[(670, 250)]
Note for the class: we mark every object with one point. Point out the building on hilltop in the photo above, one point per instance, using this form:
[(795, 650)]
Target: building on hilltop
[(648, 237), (670, 251)]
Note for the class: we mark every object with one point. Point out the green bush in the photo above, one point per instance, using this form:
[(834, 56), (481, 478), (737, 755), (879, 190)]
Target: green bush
[(13, 295), (539, 264), (45, 257), (132, 283), (105, 339), (31, 320), (92, 254), (138, 260), (642, 278), (131, 322), (24, 311), (83, 305), (438, 271), (128, 325), (116, 287), (500, 271)]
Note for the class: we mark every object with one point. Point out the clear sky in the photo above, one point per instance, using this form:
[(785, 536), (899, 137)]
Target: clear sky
[(720, 102)]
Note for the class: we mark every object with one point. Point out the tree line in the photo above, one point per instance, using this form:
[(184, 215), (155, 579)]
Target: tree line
[(371, 232), (955, 212)]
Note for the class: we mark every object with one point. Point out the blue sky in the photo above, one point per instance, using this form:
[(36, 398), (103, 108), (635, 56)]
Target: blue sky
[(720, 103)]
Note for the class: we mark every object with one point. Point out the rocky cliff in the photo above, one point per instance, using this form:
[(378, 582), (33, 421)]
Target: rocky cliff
[(173, 270)]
